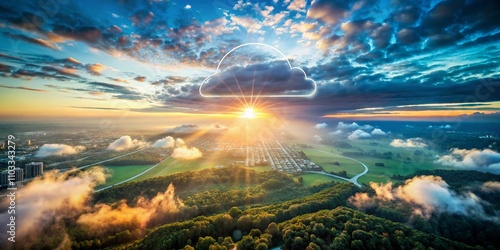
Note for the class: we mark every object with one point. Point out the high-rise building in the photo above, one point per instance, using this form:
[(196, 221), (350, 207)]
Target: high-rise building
[(5, 178), (33, 169)]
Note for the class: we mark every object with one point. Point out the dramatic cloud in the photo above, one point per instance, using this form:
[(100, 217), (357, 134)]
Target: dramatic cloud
[(58, 150), (167, 142), (409, 143), (186, 153), (50, 198), (321, 125), (378, 131), (124, 143), (485, 160), (362, 54), (49, 202), (358, 134), (105, 216), (427, 195), (272, 79)]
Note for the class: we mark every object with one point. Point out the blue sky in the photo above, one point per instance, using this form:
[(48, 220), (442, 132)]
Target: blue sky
[(368, 58)]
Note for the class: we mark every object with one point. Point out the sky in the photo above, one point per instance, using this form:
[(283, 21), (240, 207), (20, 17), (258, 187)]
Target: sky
[(311, 59)]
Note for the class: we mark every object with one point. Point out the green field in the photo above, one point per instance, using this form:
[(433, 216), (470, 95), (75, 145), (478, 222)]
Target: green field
[(311, 179), (403, 162), (172, 166), (325, 160), (120, 173)]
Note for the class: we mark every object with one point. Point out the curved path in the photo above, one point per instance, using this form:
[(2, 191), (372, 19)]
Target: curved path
[(110, 159), (354, 179), (133, 177)]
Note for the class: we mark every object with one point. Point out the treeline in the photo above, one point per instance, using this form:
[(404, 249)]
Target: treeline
[(372, 153), (344, 228), (146, 157), (455, 178)]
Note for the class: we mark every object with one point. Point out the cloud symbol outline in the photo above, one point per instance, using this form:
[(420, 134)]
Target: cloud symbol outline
[(217, 71)]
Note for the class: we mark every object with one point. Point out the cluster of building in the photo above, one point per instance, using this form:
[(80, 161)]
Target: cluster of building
[(258, 151), (21, 174), (286, 158)]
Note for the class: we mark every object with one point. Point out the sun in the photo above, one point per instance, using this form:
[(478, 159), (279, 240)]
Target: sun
[(248, 113)]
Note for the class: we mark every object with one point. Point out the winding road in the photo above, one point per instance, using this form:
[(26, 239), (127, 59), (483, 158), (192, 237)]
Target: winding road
[(354, 179), (110, 159), (133, 177)]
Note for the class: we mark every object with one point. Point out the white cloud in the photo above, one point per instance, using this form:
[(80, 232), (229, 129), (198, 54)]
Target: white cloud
[(125, 142), (250, 24), (378, 131), (180, 142), (427, 195), (317, 138), (47, 200), (58, 150), (483, 160), (241, 4), (267, 10), (272, 20), (447, 126), (321, 125), (185, 153), (358, 134), (167, 142), (297, 5), (336, 132), (187, 7), (353, 126), (409, 143)]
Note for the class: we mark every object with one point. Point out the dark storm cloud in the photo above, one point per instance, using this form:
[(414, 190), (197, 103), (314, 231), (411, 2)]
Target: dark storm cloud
[(382, 93), (170, 80), (46, 68), (11, 58), (22, 88), (330, 12), (140, 78), (441, 16), (58, 71), (36, 41), (30, 73), (6, 68), (118, 91), (408, 36), (407, 15), (274, 78)]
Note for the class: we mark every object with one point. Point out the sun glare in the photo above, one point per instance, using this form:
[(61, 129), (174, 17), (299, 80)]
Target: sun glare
[(248, 113)]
